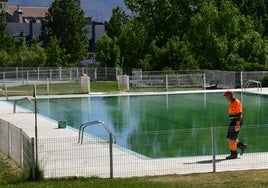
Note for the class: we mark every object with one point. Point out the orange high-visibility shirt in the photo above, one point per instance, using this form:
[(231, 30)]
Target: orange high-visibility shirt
[(235, 107)]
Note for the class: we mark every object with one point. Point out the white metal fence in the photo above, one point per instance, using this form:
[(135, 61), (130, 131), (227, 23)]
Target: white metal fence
[(27, 75), (204, 79), (167, 152), (16, 144)]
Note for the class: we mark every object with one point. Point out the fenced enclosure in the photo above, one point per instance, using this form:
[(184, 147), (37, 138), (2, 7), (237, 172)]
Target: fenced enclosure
[(185, 80), (27, 75), (138, 80), (16, 144), (153, 153)]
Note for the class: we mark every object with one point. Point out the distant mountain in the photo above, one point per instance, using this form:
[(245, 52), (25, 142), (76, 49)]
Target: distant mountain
[(99, 10)]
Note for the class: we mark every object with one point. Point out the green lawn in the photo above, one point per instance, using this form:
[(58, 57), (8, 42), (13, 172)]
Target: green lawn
[(13, 176), (61, 89)]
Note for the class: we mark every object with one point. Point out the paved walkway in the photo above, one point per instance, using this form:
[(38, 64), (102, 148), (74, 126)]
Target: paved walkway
[(68, 158)]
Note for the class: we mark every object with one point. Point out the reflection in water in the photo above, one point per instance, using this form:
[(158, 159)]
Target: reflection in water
[(165, 125)]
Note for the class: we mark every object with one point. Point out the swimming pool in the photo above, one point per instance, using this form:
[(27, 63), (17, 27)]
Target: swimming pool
[(163, 124)]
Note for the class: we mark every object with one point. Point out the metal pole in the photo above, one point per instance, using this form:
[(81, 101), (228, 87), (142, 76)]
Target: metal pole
[(111, 154), (35, 113), (47, 86), (166, 82), (21, 148), (204, 83), (33, 161), (241, 80), (88, 85), (213, 136)]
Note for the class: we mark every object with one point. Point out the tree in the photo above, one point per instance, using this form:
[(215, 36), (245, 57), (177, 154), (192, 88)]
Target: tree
[(175, 55), (65, 20), (54, 53), (257, 10), (25, 56), (223, 38), (108, 52), (117, 20), (133, 44), (6, 40), (192, 34)]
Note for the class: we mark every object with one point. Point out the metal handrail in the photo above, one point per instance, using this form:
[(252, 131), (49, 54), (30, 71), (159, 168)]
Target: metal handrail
[(247, 84), (15, 103), (4, 94), (83, 126)]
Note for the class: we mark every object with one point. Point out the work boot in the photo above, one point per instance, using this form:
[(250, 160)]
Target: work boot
[(232, 156), (242, 147)]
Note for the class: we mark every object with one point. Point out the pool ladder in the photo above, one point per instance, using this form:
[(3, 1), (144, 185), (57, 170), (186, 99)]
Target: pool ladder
[(112, 137), (258, 83), (15, 103)]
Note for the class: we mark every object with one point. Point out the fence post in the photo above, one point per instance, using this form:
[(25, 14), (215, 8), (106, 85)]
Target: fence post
[(21, 148), (70, 75), (50, 75), (38, 73), (17, 73), (204, 81), (111, 154), (166, 82), (27, 77), (9, 140), (88, 85), (213, 139), (60, 73), (241, 80), (33, 159), (47, 86), (95, 74)]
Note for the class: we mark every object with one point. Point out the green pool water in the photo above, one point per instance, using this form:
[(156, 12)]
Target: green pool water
[(165, 125)]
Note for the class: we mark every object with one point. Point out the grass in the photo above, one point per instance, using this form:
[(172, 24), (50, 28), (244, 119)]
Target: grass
[(61, 89), (10, 172), (11, 175), (75, 88)]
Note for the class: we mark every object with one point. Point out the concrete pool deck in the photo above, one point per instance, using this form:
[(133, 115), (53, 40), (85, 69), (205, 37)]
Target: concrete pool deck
[(126, 163)]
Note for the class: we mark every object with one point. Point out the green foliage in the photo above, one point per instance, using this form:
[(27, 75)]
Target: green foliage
[(6, 40), (192, 34), (4, 58), (65, 21), (108, 51), (117, 20), (186, 34), (54, 53)]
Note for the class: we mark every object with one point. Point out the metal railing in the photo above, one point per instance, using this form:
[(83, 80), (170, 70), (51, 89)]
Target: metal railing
[(250, 82), (111, 138), (15, 103), (83, 126)]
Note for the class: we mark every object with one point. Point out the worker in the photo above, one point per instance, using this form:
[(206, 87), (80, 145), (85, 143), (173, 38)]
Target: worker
[(235, 115)]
